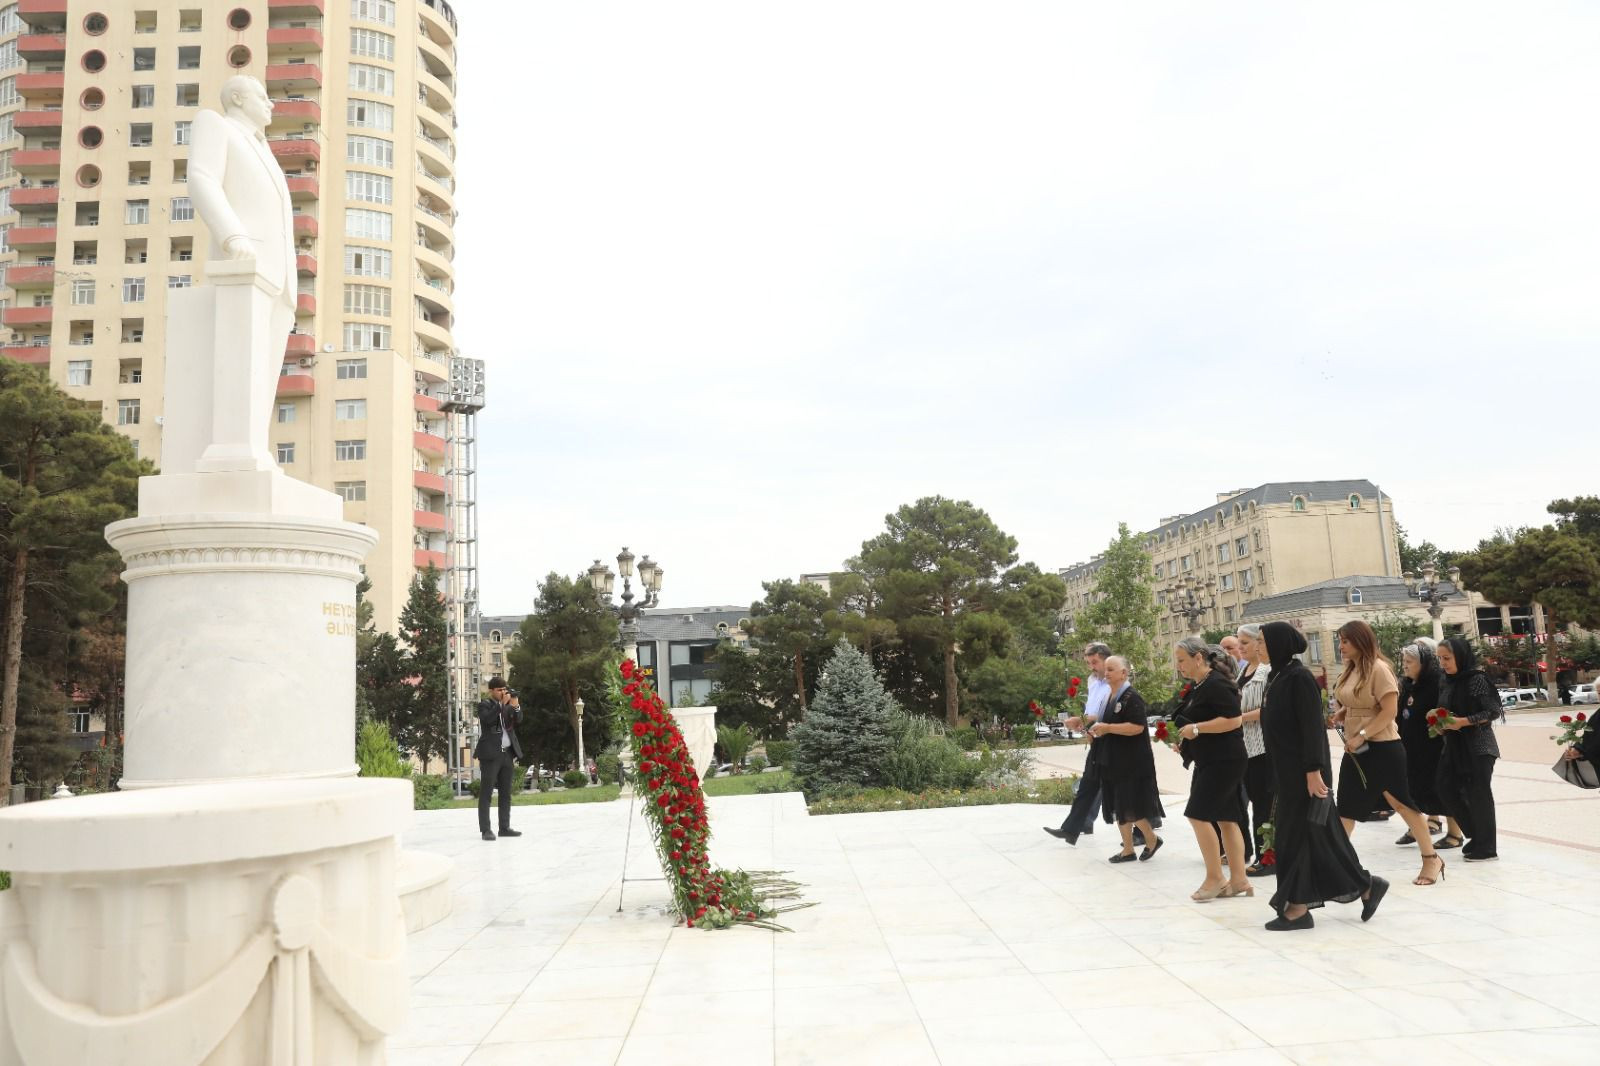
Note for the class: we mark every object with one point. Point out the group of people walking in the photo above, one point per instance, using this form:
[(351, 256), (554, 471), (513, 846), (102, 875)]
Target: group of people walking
[(1251, 722)]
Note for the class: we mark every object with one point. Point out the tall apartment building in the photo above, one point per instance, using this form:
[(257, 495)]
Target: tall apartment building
[(99, 98), (1253, 543)]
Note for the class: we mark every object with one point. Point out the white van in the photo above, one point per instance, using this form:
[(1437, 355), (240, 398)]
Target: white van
[(1585, 693)]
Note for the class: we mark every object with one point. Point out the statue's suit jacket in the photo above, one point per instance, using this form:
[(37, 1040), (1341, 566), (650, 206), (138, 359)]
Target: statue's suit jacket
[(238, 188)]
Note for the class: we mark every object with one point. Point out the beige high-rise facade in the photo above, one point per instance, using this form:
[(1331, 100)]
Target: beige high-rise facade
[(98, 98), (1259, 542)]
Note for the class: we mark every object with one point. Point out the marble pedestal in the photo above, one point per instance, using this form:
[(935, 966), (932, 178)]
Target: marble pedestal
[(208, 925)]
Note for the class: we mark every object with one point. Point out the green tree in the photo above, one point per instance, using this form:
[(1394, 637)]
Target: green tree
[(1125, 616), (738, 691), (1003, 685), (858, 609), (568, 648), (790, 624), (940, 563), (64, 476), (44, 749), (1393, 630), (849, 730), (377, 754), (1556, 566), (424, 720)]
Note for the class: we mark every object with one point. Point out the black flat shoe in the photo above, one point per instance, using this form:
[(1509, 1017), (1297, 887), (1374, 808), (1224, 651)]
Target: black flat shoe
[(488, 836), (1258, 871), (1058, 834), (1281, 924), (510, 833), (1375, 894), (1119, 857), (1472, 856), (1149, 853)]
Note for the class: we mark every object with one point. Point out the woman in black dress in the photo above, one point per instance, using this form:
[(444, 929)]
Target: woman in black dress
[(1466, 770), (1419, 694), (1127, 765), (1208, 720), (1315, 860)]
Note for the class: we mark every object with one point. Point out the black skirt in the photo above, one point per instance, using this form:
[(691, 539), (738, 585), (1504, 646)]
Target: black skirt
[(1383, 765), (1422, 770), (1215, 793), (1316, 864), (1131, 800)]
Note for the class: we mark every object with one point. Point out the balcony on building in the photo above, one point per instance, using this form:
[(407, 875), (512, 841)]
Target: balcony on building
[(428, 481), (35, 195), (42, 46), (31, 354), (302, 186), (422, 558), (300, 345), (28, 316), (21, 237), (41, 87), (306, 264), (21, 276), (305, 225), (296, 112), (293, 41), (294, 76), (439, 13), (433, 294), (428, 443), (293, 150), (291, 386), (425, 405), (37, 162), (433, 364), (437, 90), (430, 520), (434, 101), (305, 303), (39, 120), (43, 13)]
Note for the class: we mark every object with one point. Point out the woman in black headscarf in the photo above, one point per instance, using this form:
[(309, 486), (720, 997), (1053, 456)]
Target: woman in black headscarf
[(1466, 769), (1313, 855)]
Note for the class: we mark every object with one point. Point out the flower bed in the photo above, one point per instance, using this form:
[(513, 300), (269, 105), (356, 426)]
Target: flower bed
[(1053, 790)]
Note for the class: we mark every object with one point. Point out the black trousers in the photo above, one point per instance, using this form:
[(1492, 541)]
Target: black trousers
[(1085, 803), (494, 773), (1258, 789), (1466, 789)]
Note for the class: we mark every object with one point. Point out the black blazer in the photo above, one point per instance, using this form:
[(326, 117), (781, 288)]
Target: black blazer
[(1123, 758), (489, 730)]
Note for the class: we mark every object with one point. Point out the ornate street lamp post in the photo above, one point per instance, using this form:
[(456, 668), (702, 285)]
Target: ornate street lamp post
[(581, 762), (603, 581), (1183, 599), (1433, 597)]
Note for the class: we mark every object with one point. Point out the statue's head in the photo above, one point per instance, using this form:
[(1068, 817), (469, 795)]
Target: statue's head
[(246, 98)]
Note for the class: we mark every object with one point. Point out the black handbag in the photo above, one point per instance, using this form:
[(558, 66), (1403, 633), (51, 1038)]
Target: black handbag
[(1580, 772), (1320, 810)]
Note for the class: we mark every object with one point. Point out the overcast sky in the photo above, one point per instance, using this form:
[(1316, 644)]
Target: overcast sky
[(748, 276)]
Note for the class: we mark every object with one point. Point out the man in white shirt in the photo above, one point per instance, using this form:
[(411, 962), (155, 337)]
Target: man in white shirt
[(1086, 804)]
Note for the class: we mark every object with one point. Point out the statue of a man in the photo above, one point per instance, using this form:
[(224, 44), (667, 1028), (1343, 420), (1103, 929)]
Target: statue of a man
[(240, 193)]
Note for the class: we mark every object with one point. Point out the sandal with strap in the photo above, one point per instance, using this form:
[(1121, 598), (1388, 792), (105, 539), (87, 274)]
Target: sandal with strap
[(1422, 879), (1448, 841)]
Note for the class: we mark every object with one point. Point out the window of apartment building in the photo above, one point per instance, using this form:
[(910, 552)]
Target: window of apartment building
[(1299, 503), (352, 491), (1261, 573), (285, 413), (373, 11), (349, 410), (133, 290), (1314, 647), (1222, 553), (1225, 583), (1227, 614), (8, 89), (144, 96), (1158, 571), (138, 212), (348, 451), (365, 78), (369, 114), (365, 337), (1255, 535), (286, 453), (350, 369), (1241, 547), (371, 225), (144, 59), (80, 371), (189, 57), (368, 262), (1187, 563), (1247, 579), (182, 209), (181, 132), (372, 188), (127, 412), (180, 281), (141, 135), (369, 151), (82, 291), (366, 300), (371, 44)]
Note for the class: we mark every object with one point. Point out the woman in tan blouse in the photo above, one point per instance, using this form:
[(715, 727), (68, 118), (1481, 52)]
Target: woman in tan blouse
[(1375, 757)]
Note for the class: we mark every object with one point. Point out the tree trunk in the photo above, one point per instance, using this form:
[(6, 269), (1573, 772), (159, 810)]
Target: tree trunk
[(800, 679), (11, 642)]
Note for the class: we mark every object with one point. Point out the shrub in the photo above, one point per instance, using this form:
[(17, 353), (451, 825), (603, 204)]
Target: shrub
[(966, 738), (377, 754), (1006, 768), (775, 783), (474, 786), (540, 782), (608, 766), (780, 752), (1056, 790), (925, 760), (736, 743), (5, 880), (574, 779), (711, 770), (848, 729), (1022, 735), (756, 764), (431, 792)]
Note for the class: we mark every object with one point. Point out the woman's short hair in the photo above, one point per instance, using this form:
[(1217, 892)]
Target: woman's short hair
[(1249, 629)]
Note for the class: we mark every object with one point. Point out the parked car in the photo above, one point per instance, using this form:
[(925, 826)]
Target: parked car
[(1585, 693), (1041, 731)]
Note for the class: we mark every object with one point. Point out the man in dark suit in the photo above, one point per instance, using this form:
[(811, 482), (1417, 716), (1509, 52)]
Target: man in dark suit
[(498, 747)]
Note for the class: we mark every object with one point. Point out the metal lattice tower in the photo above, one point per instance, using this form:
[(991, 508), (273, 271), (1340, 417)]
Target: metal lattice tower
[(461, 406)]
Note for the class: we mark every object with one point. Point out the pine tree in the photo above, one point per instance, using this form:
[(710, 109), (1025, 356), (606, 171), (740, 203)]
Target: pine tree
[(425, 728), (44, 751), (848, 730)]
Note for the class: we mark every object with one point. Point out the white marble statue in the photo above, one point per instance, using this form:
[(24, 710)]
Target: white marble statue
[(241, 196)]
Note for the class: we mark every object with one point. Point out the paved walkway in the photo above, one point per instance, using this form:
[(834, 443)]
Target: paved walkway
[(968, 936)]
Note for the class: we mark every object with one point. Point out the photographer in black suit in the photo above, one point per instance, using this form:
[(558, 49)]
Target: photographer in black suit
[(498, 716)]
